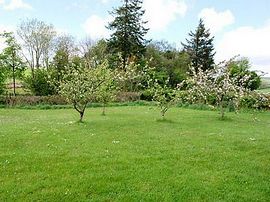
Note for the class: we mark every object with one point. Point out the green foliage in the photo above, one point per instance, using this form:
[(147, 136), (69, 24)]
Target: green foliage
[(200, 48), (11, 63), (2, 80), (60, 62), (128, 30), (95, 55), (240, 68), (168, 62), (40, 84), (64, 54), (165, 96), (80, 86), (256, 100), (107, 91)]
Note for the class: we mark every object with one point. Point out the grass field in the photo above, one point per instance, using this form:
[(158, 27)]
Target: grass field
[(129, 155), (265, 85), (265, 90)]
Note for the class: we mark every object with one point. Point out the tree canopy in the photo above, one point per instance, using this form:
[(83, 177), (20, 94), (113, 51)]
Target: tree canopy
[(128, 30)]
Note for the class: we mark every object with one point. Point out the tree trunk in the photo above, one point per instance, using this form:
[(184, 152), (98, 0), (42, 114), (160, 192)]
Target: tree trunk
[(14, 80), (81, 115), (81, 112), (163, 111), (222, 111), (103, 109)]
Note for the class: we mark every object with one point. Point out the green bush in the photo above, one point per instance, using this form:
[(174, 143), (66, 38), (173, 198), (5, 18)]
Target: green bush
[(40, 84), (146, 95), (256, 101)]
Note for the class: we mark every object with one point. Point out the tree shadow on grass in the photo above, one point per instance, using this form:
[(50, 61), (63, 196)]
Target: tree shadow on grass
[(164, 120), (225, 119), (80, 122)]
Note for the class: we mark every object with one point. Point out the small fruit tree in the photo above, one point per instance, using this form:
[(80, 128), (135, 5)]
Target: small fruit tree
[(108, 89), (164, 95), (218, 84), (80, 85)]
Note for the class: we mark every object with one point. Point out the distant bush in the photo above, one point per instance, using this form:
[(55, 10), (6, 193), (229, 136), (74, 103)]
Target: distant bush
[(128, 96), (256, 101), (32, 100), (146, 95), (40, 84), (58, 100)]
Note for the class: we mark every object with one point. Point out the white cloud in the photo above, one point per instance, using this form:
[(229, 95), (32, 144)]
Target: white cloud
[(95, 27), (2, 2), (7, 29), (104, 1), (160, 13), (216, 21), (249, 42), (17, 4)]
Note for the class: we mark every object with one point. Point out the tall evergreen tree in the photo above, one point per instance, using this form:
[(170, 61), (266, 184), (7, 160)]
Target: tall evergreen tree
[(200, 48), (128, 30)]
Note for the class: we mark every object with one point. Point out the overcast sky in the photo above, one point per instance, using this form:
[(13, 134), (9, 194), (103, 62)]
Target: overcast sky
[(239, 26)]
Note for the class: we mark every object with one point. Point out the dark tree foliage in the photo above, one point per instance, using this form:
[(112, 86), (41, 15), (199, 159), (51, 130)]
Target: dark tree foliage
[(40, 84), (200, 48), (168, 62), (64, 51), (128, 31)]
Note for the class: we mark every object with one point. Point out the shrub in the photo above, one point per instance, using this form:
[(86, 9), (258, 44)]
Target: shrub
[(256, 101), (128, 96), (146, 95), (40, 84)]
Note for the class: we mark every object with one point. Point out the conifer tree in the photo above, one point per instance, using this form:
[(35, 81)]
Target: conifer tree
[(128, 30), (200, 48)]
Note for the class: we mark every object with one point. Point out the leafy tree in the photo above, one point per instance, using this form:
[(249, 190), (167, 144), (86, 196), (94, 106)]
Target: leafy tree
[(200, 48), (40, 84), (2, 80), (241, 68), (164, 95), (128, 30), (80, 86), (94, 53), (134, 77), (10, 59), (168, 62), (108, 89), (161, 92), (64, 52)]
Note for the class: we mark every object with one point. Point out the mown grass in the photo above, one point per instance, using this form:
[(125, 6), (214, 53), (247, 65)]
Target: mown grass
[(131, 155), (264, 90)]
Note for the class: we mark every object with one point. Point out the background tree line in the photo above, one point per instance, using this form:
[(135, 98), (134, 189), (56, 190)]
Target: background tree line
[(43, 58)]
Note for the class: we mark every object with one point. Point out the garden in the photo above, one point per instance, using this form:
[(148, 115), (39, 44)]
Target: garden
[(129, 119)]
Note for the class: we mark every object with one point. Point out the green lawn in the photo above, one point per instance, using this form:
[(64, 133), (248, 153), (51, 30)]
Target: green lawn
[(264, 90), (128, 155)]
